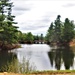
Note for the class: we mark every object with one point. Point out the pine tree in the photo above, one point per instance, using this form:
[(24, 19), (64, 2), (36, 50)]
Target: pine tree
[(7, 30)]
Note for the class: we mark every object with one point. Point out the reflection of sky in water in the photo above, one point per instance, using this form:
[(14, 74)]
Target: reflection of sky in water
[(38, 55)]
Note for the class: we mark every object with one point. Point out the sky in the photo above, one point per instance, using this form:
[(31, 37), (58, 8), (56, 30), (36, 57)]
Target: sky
[(36, 15)]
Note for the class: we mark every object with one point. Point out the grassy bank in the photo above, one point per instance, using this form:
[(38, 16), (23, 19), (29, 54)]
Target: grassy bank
[(61, 72), (54, 72)]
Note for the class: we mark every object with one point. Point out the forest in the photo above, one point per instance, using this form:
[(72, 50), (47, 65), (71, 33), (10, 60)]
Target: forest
[(62, 33), (59, 32)]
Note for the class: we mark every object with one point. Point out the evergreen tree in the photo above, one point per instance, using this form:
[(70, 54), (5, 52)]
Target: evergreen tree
[(60, 32), (50, 36), (68, 30), (29, 37), (7, 30), (57, 29)]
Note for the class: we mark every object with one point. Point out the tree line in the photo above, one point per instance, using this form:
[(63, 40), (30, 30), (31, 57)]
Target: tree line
[(61, 32), (29, 38)]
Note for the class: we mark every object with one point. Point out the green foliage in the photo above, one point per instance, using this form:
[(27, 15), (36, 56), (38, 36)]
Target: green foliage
[(29, 37), (25, 37), (22, 37), (57, 29), (36, 37), (68, 30), (60, 32), (7, 30), (19, 67), (49, 36), (39, 37)]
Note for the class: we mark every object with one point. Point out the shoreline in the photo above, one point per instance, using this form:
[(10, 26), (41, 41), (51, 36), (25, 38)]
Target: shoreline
[(8, 47), (58, 72)]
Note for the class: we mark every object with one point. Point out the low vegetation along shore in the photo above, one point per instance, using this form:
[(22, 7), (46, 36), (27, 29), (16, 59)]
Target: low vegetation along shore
[(61, 72)]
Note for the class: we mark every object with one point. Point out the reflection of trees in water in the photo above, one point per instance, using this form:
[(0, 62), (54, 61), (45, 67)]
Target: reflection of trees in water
[(58, 55), (6, 57), (68, 57), (58, 59)]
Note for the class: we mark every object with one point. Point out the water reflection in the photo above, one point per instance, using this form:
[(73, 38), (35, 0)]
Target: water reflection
[(61, 55), (41, 56), (5, 58)]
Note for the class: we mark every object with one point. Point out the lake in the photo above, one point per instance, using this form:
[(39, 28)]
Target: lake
[(42, 56)]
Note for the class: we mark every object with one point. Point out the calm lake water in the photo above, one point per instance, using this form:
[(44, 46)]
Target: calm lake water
[(42, 56)]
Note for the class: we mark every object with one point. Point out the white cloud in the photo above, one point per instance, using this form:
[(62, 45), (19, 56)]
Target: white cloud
[(36, 15)]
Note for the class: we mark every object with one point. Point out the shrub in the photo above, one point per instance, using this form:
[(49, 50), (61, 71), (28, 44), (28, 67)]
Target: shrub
[(19, 67)]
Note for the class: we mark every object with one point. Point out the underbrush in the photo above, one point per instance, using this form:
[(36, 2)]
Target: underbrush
[(19, 67)]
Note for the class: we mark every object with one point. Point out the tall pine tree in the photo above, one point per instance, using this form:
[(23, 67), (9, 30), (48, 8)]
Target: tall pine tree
[(7, 30)]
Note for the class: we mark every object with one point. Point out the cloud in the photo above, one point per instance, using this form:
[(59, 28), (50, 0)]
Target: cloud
[(21, 6), (42, 22), (16, 13), (32, 27), (18, 8), (35, 16), (37, 31), (69, 5)]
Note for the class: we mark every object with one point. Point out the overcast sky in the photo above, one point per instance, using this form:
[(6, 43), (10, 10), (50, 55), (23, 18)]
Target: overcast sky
[(36, 15)]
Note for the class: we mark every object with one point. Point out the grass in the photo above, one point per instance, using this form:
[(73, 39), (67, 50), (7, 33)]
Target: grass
[(49, 72), (16, 67), (26, 68), (54, 72)]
